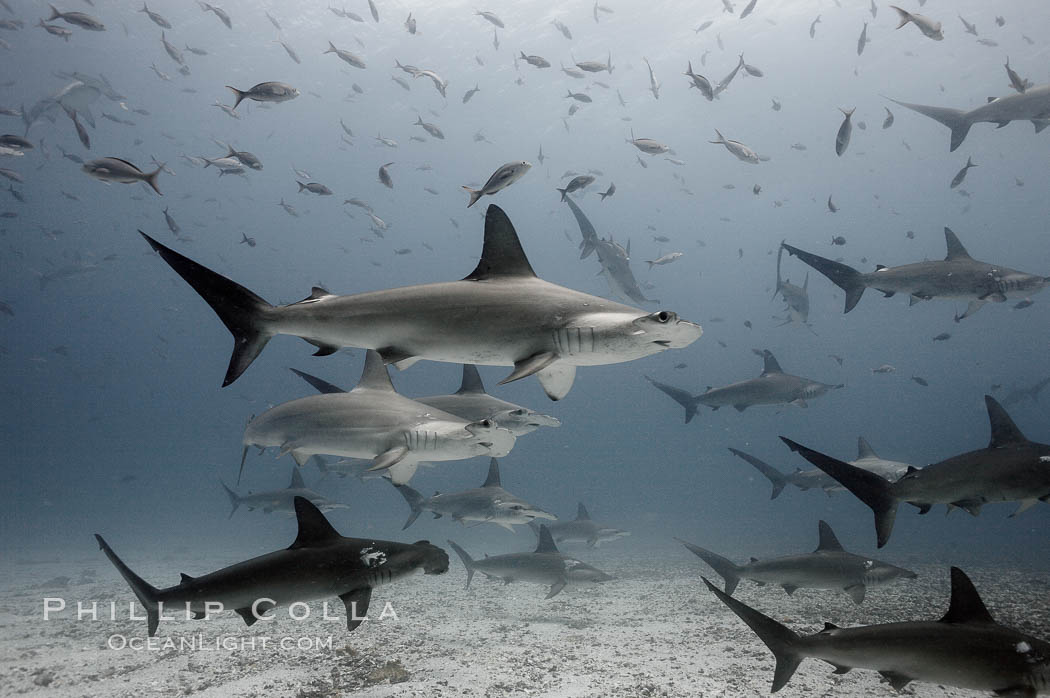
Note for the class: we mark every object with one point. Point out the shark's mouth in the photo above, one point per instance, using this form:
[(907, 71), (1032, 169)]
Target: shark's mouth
[(486, 444), (666, 343)]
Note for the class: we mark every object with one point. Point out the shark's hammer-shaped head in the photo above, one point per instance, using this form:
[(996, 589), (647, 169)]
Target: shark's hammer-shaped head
[(642, 335), (522, 420), (490, 438)]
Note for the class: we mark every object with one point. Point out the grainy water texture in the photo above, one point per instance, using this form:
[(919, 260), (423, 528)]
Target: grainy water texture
[(113, 421)]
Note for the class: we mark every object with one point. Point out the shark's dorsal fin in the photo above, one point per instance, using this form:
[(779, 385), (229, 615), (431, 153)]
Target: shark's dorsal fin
[(546, 544), (828, 541), (966, 605), (297, 480), (185, 578), (314, 529), (770, 364), (581, 513), (955, 248), (864, 449), (493, 477), (471, 381), (502, 255), (375, 375), (1004, 431)]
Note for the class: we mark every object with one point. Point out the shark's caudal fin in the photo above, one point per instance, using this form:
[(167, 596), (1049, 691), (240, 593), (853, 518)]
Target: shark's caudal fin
[(778, 638), (239, 309), (774, 475), (492, 480), (235, 501), (468, 562), (146, 594), (845, 277), (587, 230), (955, 119), (724, 567), (415, 502), (687, 400), (868, 487), (321, 386)]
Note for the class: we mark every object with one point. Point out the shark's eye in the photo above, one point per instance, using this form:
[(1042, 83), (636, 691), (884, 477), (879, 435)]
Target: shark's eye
[(487, 423), (662, 317)]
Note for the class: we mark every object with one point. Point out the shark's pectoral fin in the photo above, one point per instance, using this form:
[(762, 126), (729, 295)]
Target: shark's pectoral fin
[(970, 506), (840, 669), (393, 355), (1040, 124), (530, 365), (856, 592), (389, 458), (889, 294), (555, 589), (250, 616), (1026, 504), (800, 403), (923, 507), (912, 300), (897, 681), (790, 588), (356, 602), (401, 473), (323, 349), (557, 379)]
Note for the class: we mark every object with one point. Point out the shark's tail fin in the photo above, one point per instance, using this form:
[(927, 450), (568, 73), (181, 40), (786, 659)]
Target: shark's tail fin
[(240, 96), (235, 501), (563, 192), (415, 501), (955, 119), (725, 568), (779, 639), (868, 487), (239, 309), (468, 561), (845, 277), (774, 475), (147, 594)]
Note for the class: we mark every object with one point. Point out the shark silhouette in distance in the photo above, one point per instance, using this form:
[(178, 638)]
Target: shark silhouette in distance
[(320, 563), (1010, 469), (958, 277), (500, 314)]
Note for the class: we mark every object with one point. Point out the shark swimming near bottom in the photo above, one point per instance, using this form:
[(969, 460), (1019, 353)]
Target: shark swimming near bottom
[(280, 500), (501, 314), (582, 529), (1010, 469), (545, 565), (320, 563), (966, 648), (827, 567), (958, 276), (489, 503)]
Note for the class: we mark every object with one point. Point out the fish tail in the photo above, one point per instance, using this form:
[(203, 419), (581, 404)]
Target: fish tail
[(468, 561), (55, 14), (235, 501), (772, 474), (845, 277), (866, 486), (956, 119), (332, 49), (243, 312), (301, 186), (146, 593), (563, 192), (904, 15), (780, 639), (475, 194), (240, 95), (151, 178), (415, 501), (725, 568)]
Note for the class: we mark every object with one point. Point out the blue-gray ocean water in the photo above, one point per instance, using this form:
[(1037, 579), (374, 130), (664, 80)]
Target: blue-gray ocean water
[(113, 419)]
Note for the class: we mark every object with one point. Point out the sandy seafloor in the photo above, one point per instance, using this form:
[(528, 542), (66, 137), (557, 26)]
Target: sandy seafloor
[(654, 631)]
